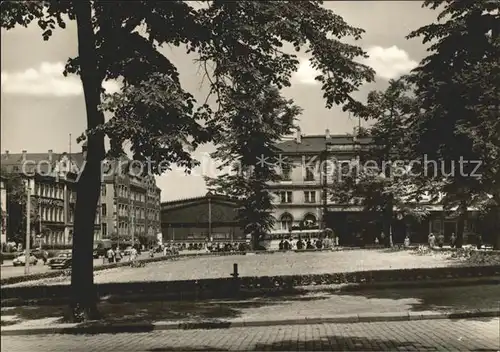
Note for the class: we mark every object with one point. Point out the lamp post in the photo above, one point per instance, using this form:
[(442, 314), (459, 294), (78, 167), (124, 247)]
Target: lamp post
[(28, 231)]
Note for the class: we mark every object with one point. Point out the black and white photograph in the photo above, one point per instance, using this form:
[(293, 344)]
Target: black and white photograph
[(250, 175)]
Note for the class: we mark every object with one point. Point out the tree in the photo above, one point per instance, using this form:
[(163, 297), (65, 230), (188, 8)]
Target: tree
[(242, 39), (250, 67), (379, 180), (16, 207), (152, 111), (457, 85)]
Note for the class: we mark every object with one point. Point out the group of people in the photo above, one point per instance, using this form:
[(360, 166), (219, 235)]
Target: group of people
[(115, 255), (300, 244), (439, 240)]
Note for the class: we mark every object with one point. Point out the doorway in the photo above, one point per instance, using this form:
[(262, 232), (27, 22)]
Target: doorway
[(449, 228)]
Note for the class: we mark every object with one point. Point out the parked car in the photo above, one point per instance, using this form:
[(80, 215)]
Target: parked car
[(59, 254), (62, 261), (101, 247), (21, 260)]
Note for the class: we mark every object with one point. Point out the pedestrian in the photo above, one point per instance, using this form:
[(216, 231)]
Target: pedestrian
[(152, 252), (281, 245), (376, 241), (407, 241), (45, 257), (133, 254), (432, 240), (453, 240), (118, 255), (110, 254)]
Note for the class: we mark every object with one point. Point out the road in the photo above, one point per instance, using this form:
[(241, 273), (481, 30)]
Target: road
[(430, 335), (8, 270)]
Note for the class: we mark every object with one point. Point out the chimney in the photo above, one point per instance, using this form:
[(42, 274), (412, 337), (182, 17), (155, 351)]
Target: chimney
[(24, 155), (299, 135), (327, 133), (6, 154), (50, 155)]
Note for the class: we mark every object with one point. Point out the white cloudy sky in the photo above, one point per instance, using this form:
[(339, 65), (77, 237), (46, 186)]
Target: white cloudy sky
[(41, 108)]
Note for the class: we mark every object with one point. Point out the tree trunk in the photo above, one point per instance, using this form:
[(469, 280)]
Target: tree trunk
[(461, 224), (84, 297)]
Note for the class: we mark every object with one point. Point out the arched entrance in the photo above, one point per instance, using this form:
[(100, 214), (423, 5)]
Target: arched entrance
[(286, 221)]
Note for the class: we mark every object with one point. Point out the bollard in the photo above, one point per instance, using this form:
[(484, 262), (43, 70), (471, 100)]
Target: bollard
[(235, 271)]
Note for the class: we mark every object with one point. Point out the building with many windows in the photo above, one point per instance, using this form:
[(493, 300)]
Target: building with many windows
[(300, 198), (129, 205)]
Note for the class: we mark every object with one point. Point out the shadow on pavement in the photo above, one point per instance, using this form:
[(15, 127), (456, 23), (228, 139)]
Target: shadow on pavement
[(444, 299), (345, 343)]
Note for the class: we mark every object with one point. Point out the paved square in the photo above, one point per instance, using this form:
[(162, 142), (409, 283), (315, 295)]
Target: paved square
[(269, 264)]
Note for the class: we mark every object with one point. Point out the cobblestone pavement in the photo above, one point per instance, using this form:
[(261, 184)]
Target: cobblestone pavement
[(430, 335)]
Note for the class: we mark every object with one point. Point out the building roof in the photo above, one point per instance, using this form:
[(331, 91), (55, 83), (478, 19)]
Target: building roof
[(318, 143), (178, 203)]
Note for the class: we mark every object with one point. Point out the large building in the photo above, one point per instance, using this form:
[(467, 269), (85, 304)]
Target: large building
[(300, 196), (129, 206), (198, 220)]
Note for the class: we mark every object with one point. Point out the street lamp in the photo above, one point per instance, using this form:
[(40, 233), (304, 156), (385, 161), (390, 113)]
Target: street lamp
[(28, 230)]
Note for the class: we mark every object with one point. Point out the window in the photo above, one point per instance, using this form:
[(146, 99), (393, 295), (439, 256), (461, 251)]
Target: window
[(104, 210), (310, 196), (286, 222), (103, 190), (104, 230), (309, 174), (286, 197), (286, 169), (310, 220)]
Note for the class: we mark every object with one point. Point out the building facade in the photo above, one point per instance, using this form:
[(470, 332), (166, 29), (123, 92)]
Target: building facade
[(210, 218), (130, 207), (300, 196), (127, 205)]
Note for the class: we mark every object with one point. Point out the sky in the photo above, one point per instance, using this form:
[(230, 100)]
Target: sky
[(40, 107)]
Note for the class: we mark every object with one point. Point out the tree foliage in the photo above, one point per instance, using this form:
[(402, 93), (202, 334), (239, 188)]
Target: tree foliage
[(15, 212), (380, 179), (242, 40), (457, 85), (250, 66)]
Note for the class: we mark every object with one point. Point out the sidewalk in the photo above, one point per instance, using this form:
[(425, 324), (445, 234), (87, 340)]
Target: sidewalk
[(325, 306), (426, 335)]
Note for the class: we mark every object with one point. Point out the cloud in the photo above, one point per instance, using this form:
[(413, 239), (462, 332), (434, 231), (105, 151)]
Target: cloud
[(389, 63), (46, 80), (305, 74)]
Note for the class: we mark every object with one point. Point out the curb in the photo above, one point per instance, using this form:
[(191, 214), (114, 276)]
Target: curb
[(339, 319)]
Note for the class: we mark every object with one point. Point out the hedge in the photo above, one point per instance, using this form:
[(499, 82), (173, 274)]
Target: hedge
[(237, 287)]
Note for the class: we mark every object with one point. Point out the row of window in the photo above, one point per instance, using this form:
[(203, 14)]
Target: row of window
[(286, 221), (287, 197), (55, 191), (124, 192), (139, 214)]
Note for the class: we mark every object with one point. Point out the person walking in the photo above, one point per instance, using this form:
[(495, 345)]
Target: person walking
[(133, 254), (432, 240), (407, 241), (453, 240), (110, 254), (118, 255)]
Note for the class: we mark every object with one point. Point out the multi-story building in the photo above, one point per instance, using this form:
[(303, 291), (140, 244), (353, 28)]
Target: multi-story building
[(301, 197), (130, 207), (52, 181)]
